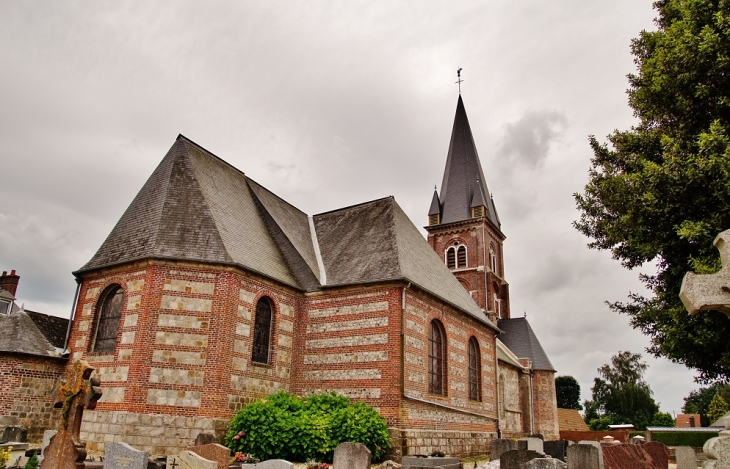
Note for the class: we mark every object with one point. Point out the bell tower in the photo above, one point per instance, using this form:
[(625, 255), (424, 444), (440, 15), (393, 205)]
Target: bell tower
[(463, 225)]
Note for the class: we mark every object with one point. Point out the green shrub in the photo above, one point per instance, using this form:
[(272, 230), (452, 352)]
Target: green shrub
[(696, 439), (286, 427), (32, 462)]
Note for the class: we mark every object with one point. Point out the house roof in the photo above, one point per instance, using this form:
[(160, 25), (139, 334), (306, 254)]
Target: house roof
[(464, 184), (53, 328), (570, 420), (197, 207), (21, 335), (519, 337)]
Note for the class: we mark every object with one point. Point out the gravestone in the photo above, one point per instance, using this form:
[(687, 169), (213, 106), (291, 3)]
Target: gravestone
[(17, 453), (545, 463), (204, 439), (123, 456), (658, 452), (499, 446), (516, 459), (14, 434), (533, 444), (213, 452), (75, 393), (47, 435), (718, 453), (189, 460), (538, 435), (413, 462), (275, 464), (686, 457), (585, 456), (555, 448), (351, 456)]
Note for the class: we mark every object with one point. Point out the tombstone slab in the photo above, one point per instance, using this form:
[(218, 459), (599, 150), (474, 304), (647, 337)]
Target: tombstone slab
[(686, 457), (275, 464), (555, 448), (585, 456), (533, 444), (204, 439), (658, 452), (14, 434), (630, 457), (351, 456), (516, 459), (47, 435), (17, 453), (189, 460), (412, 462), (122, 456), (545, 463), (213, 452), (499, 446)]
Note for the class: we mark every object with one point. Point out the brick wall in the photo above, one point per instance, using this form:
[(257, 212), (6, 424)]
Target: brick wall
[(26, 397)]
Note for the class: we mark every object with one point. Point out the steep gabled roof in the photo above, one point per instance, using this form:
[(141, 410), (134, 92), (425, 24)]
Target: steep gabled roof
[(464, 182), (52, 327), (21, 335), (519, 337)]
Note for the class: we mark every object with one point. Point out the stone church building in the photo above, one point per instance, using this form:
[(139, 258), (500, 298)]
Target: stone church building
[(211, 291)]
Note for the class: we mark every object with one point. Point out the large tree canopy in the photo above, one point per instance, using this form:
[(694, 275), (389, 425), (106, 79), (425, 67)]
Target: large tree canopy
[(620, 394), (567, 392), (661, 190)]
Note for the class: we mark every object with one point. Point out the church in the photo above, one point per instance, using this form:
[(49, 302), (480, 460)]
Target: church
[(212, 292)]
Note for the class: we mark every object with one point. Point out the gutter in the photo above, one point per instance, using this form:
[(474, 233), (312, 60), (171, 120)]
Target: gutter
[(73, 312)]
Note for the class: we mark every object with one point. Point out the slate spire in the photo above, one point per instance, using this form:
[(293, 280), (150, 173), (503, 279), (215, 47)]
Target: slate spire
[(464, 183)]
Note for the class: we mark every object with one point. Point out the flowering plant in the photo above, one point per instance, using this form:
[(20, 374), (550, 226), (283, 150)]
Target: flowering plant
[(313, 464), (5, 456), (245, 458)]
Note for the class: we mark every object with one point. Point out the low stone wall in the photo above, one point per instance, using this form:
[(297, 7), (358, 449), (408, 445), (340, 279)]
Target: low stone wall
[(159, 434), (451, 442)]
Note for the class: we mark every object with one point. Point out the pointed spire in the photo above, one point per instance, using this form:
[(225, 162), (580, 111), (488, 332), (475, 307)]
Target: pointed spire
[(435, 208), (464, 183)]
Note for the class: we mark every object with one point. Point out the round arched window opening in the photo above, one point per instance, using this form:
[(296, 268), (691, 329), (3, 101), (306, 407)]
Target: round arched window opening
[(110, 314)]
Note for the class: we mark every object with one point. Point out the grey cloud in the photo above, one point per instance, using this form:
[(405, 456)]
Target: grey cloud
[(527, 141)]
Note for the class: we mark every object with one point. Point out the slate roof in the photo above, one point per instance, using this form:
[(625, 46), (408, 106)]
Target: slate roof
[(197, 207), (519, 337), (507, 356), (52, 327), (464, 184), (21, 335)]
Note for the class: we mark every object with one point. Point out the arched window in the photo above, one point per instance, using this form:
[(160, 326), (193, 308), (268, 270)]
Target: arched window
[(110, 313), (262, 331), (461, 257), (475, 389), (436, 359), (451, 258)]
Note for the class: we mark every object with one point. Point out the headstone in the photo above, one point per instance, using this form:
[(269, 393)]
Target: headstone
[(585, 456), (14, 434), (631, 456), (275, 464), (637, 440), (516, 459), (555, 448), (351, 456), (122, 456), (499, 446), (686, 457), (189, 460), (545, 463), (204, 439), (410, 462), (77, 392), (658, 452), (47, 435), (533, 444), (213, 452), (718, 453)]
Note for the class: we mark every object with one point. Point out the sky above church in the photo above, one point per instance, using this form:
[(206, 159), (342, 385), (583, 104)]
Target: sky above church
[(328, 104)]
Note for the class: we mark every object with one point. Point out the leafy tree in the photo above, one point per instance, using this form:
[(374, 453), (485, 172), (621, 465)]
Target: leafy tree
[(621, 393), (718, 408), (600, 423), (662, 419), (661, 191), (567, 391), (698, 402)]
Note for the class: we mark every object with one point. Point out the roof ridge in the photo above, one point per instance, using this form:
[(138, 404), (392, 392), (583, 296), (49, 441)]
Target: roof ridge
[(353, 206)]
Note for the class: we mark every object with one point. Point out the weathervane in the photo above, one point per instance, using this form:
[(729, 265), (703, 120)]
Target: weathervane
[(458, 82)]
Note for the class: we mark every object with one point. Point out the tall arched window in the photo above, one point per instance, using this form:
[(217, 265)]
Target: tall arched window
[(262, 331), (451, 258), (475, 388), (110, 313), (436, 359), (461, 257)]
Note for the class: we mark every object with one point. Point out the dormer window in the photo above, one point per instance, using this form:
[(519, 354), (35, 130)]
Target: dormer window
[(434, 219), (478, 212), (456, 256)]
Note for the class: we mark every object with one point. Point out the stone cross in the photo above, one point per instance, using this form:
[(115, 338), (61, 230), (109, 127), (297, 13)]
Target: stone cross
[(73, 394), (709, 291)]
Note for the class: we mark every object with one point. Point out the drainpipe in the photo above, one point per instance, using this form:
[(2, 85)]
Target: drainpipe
[(73, 312), (403, 359), (496, 391), (532, 402)]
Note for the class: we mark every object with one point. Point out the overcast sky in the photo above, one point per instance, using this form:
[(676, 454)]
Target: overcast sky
[(327, 104)]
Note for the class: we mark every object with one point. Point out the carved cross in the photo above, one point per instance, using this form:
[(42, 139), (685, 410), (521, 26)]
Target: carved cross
[(78, 391), (709, 291)]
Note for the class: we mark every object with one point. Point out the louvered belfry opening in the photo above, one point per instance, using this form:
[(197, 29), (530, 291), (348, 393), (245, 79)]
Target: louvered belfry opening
[(451, 258), (262, 331), (109, 317), (434, 219), (461, 257)]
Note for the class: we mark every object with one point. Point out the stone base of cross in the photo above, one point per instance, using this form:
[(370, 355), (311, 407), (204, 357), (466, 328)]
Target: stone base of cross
[(709, 291)]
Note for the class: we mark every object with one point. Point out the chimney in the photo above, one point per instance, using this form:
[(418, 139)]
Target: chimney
[(9, 282)]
